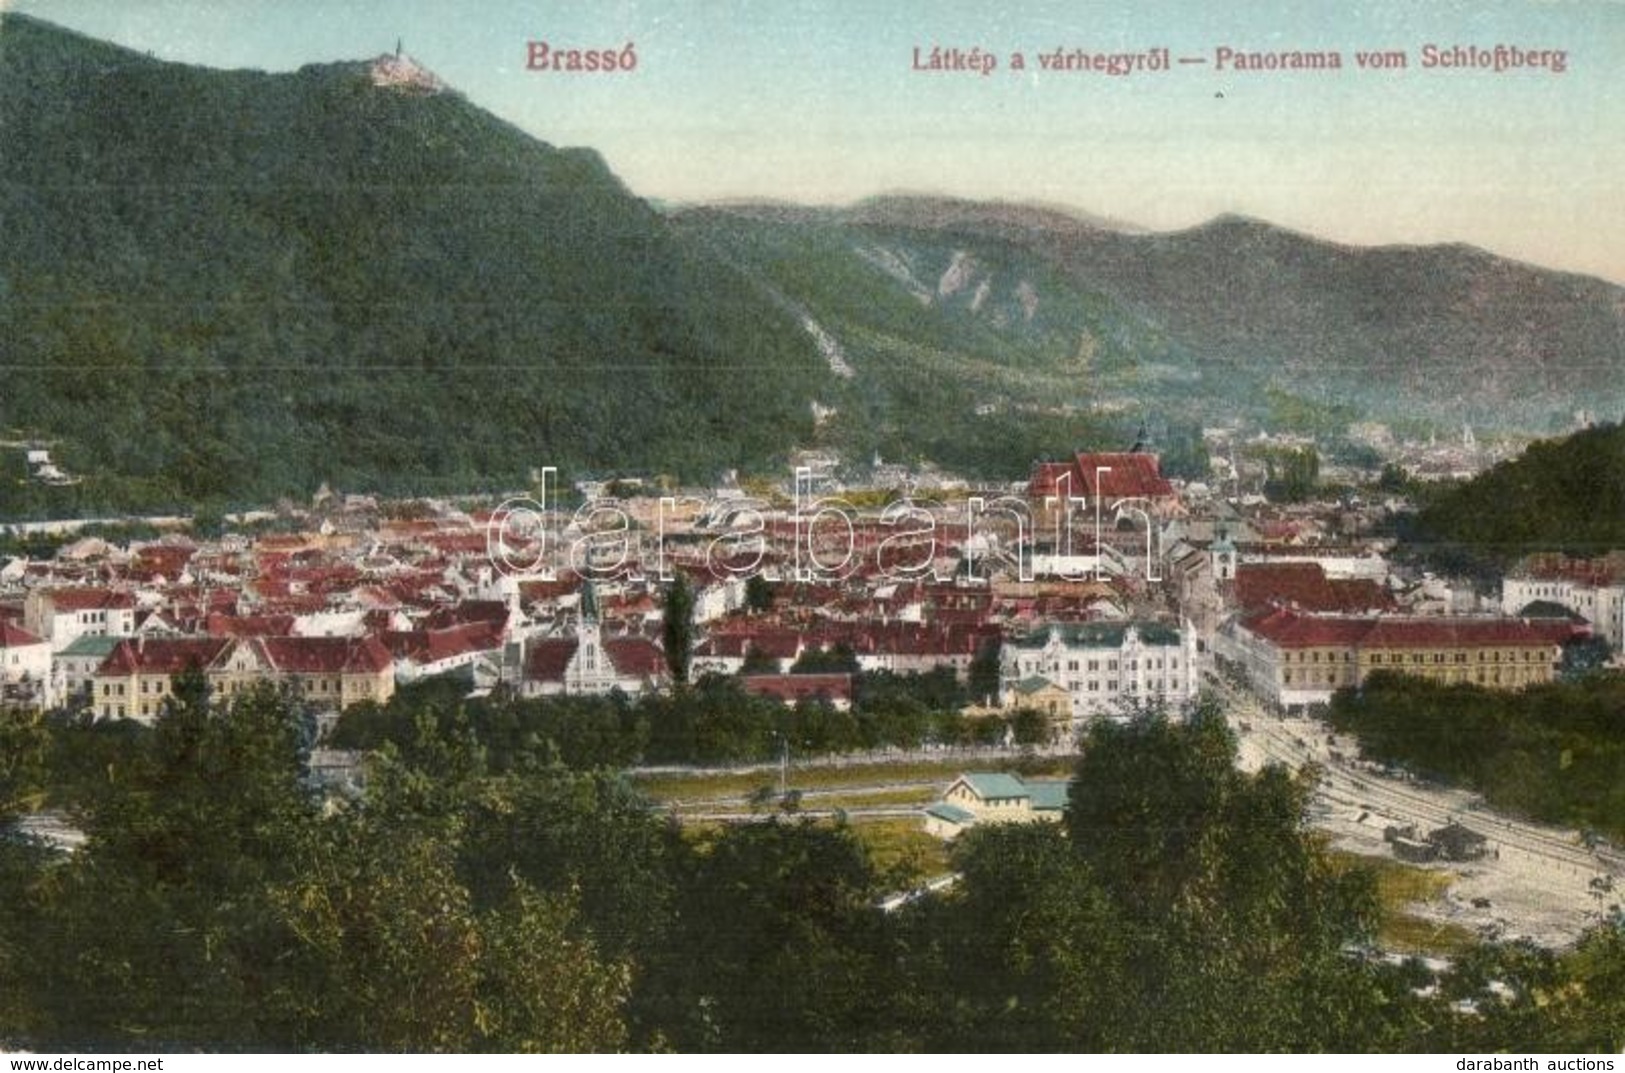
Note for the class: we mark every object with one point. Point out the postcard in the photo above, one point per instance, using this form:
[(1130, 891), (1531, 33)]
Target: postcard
[(757, 527)]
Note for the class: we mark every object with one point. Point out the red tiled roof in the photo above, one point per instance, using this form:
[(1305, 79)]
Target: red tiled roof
[(776, 644), (15, 636), (218, 625), (1288, 629), (1596, 573), (325, 655), (489, 612), (1455, 633), (1109, 474), (547, 660), (431, 646), (632, 657), (1306, 586), (635, 657), (89, 599), (790, 688), (163, 655)]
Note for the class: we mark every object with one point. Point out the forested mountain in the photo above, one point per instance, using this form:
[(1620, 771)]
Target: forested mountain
[(228, 283), (232, 285)]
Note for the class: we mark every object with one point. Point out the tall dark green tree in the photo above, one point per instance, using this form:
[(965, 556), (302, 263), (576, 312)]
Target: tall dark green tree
[(678, 628), (758, 593)]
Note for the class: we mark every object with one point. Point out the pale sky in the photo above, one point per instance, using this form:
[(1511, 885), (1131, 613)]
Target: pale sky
[(817, 101)]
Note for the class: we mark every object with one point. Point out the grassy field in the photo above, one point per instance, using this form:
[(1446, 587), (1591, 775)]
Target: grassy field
[(902, 850), (938, 773), (822, 800), (1401, 887)]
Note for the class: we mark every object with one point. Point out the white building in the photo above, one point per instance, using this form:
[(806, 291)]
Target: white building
[(59, 616), (1602, 605), (1100, 664), (25, 669)]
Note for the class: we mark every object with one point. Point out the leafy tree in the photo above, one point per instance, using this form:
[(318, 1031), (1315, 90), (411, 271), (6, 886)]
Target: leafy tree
[(1551, 751), (759, 662), (1239, 919), (800, 964), (837, 659), (1585, 656), (758, 594), (1029, 726), (678, 629), (985, 672), (25, 745), (1027, 955), (165, 910), (392, 952), (1394, 478), (1291, 476)]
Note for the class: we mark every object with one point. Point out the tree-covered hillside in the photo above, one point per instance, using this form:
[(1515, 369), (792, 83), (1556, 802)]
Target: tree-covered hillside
[(1560, 495), (235, 284)]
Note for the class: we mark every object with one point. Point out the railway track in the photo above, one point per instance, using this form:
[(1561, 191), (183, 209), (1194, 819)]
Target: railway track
[(1344, 785)]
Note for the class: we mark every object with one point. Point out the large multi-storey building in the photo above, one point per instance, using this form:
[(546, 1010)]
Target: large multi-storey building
[(1102, 664), (330, 673), (1295, 659)]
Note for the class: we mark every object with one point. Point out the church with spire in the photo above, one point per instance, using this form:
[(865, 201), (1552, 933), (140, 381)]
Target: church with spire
[(588, 663)]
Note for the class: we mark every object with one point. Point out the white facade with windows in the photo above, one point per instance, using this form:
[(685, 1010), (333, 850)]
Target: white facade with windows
[(1100, 665), (1601, 605)]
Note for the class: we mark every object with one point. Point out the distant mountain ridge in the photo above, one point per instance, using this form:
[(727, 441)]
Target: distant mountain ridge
[(233, 285), (1445, 332)]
